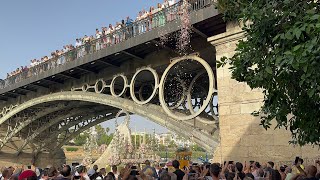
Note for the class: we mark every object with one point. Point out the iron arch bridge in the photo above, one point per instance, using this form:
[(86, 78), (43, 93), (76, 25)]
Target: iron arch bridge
[(182, 100)]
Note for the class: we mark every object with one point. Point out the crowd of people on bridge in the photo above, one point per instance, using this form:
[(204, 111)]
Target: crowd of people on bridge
[(230, 170), (146, 20)]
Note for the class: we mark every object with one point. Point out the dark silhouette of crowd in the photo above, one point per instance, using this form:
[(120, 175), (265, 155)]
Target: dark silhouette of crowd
[(229, 170)]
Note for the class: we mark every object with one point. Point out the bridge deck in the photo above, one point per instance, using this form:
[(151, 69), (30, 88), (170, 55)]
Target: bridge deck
[(206, 22)]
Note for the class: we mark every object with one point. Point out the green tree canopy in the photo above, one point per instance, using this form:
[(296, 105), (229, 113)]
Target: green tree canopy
[(281, 55)]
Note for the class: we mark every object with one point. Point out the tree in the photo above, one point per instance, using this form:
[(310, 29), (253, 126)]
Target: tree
[(281, 55), (81, 139), (102, 135), (197, 148)]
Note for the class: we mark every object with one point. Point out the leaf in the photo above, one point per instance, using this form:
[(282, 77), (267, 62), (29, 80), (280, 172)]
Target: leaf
[(305, 68), (311, 92), (296, 48), (314, 17), (269, 70), (297, 32), (276, 37), (288, 35)]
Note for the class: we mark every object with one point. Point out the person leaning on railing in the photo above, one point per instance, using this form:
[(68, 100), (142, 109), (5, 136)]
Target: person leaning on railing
[(130, 29)]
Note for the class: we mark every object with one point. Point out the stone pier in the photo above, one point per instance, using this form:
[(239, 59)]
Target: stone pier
[(241, 136)]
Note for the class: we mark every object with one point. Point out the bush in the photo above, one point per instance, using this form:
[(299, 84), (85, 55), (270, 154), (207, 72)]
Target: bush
[(72, 149)]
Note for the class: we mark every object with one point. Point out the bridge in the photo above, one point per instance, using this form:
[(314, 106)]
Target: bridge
[(47, 106)]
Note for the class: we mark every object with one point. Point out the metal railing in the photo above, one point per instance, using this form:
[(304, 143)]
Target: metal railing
[(157, 19)]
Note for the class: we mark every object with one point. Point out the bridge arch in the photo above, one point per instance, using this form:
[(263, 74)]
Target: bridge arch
[(153, 112)]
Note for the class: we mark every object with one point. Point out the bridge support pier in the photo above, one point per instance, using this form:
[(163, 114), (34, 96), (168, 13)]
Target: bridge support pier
[(241, 137)]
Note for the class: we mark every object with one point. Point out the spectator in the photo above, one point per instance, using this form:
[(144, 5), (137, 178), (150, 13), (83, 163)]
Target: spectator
[(102, 173), (239, 170), (288, 172), (115, 171), (98, 42), (151, 170), (282, 172), (28, 175), (270, 164), (215, 171), (110, 34), (79, 50), (130, 29), (65, 173), (6, 174), (82, 171), (311, 172), (86, 42), (177, 171), (52, 173)]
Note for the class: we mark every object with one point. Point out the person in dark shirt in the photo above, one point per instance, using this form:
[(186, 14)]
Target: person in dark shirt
[(177, 171)]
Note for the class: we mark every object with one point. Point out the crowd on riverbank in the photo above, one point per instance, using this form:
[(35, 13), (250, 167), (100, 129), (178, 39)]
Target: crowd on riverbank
[(228, 171), (104, 37)]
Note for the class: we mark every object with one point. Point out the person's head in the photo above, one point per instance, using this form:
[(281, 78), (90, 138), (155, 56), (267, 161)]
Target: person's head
[(249, 175), (260, 172), (175, 164), (311, 171), (282, 169), (110, 175), (214, 170), (81, 169), (66, 171), (277, 175), (165, 176), (6, 173), (300, 160), (114, 168), (45, 173), (103, 171), (256, 165), (270, 164), (95, 167), (239, 167), (231, 176), (52, 172), (17, 171), (28, 175), (147, 163), (288, 170)]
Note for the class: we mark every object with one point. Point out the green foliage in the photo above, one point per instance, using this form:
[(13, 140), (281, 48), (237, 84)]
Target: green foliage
[(281, 54), (81, 139), (72, 149), (102, 135), (197, 148)]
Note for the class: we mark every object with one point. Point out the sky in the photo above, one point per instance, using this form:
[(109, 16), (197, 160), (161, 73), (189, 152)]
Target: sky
[(34, 28)]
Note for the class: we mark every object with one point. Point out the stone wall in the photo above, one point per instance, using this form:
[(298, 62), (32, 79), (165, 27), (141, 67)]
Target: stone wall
[(241, 136)]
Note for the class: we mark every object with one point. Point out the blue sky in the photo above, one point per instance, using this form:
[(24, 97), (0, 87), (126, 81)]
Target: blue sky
[(34, 28)]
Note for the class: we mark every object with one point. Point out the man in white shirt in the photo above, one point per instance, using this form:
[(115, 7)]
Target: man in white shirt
[(79, 51), (98, 41)]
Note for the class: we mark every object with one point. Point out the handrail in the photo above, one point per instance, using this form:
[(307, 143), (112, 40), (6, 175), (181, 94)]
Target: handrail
[(136, 28)]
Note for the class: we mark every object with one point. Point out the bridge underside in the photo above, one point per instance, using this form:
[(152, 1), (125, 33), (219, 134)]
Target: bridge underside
[(55, 119)]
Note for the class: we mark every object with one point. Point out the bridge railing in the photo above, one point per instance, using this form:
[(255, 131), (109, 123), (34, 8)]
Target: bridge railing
[(136, 28)]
